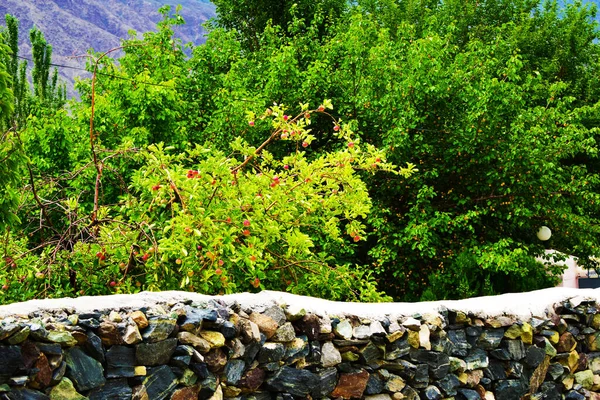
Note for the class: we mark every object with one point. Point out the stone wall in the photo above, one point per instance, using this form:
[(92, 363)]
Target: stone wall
[(543, 345)]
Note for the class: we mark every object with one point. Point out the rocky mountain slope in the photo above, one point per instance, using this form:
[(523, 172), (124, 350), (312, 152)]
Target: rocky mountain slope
[(74, 26)]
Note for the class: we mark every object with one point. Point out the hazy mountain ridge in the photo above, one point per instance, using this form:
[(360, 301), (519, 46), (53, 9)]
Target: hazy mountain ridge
[(74, 26)]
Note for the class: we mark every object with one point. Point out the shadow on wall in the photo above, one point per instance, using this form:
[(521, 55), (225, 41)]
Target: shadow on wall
[(573, 276)]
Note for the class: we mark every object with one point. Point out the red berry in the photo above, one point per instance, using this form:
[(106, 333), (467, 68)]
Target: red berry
[(273, 184), (356, 238), (228, 220), (218, 271), (246, 232), (4, 287), (307, 115), (246, 222), (286, 167), (252, 258), (113, 283), (284, 135), (321, 108), (155, 187), (256, 282), (145, 257), (336, 128), (304, 144), (351, 144), (286, 117), (251, 123), (221, 262), (99, 254)]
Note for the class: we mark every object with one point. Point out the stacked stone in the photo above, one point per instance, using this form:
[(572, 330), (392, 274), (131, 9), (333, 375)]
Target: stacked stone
[(213, 351)]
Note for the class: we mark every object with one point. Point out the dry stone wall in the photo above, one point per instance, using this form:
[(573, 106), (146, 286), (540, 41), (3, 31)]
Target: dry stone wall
[(284, 347)]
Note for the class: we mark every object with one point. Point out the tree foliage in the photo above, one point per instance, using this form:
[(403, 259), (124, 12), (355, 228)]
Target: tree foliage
[(182, 168)]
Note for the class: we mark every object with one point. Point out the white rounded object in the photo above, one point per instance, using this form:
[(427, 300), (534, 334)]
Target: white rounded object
[(544, 233)]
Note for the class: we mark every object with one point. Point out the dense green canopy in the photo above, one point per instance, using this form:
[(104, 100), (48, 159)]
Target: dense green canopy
[(495, 103)]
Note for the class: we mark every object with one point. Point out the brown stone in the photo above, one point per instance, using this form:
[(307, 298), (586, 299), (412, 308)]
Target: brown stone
[(351, 385), (139, 318), (43, 378), (30, 354), (187, 393), (249, 331), (140, 393), (538, 376), (199, 344), (566, 343), (266, 324), (252, 379), (80, 337), (310, 326), (215, 359), (109, 333)]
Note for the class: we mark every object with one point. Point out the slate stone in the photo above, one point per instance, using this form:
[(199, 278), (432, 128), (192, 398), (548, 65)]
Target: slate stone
[(276, 313), (398, 349), (315, 354), (439, 363), (37, 332), (501, 354), (515, 369), (460, 346), (160, 382), (10, 360), (555, 370), (25, 394), (448, 384), (195, 316), (89, 323), (228, 330), (59, 373), (159, 328), (550, 391), (370, 353), (65, 339), (85, 372), (181, 361), (490, 338), (20, 336), (421, 377), (327, 382), (477, 359), (271, 352), (510, 389), (251, 351), (298, 382), (120, 362), (573, 395), (374, 385), (534, 356), (155, 353), (8, 328), (432, 393), (208, 386), (94, 347), (113, 389), (50, 349), (296, 349), (469, 394), (233, 371), (200, 369), (495, 370)]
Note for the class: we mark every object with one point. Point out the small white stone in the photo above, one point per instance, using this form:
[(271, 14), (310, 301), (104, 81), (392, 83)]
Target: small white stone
[(330, 356), (411, 323), (361, 332), (376, 328), (424, 337)]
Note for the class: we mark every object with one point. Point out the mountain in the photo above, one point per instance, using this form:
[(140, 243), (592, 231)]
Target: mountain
[(74, 26)]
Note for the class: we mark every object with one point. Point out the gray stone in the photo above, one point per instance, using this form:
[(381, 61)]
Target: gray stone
[(234, 371), (448, 384), (25, 394), (534, 356), (120, 362), (285, 333), (343, 329), (327, 381), (330, 356), (374, 385), (157, 353), (370, 352), (85, 372), (460, 346), (276, 313), (516, 349), (361, 332), (296, 349), (10, 360)]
